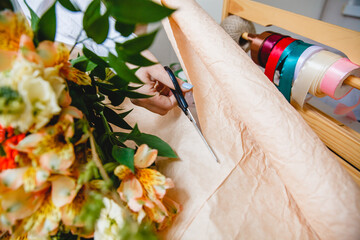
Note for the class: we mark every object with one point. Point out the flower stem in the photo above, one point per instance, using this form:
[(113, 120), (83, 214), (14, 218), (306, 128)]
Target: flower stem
[(102, 171)]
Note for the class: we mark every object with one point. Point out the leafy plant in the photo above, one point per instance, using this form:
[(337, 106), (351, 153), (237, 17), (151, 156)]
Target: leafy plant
[(112, 81)]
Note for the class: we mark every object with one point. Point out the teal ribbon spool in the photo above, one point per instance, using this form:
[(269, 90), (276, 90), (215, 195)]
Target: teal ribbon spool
[(288, 60)]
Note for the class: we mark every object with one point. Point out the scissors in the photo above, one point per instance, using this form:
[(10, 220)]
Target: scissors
[(185, 108)]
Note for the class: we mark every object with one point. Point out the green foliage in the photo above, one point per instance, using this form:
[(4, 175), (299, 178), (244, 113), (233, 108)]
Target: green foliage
[(69, 5), (152, 141), (136, 45), (122, 70), (91, 210), (94, 58), (6, 4), (133, 231), (142, 11), (2, 151), (124, 156), (47, 25), (124, 29), (96, 25), (34, 18)]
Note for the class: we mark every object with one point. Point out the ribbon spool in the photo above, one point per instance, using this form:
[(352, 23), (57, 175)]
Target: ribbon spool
[(257, 41), (332, 82), (295, 49), (311, 74), (304, 57), (275, 55), (268, 46), (235, 26)]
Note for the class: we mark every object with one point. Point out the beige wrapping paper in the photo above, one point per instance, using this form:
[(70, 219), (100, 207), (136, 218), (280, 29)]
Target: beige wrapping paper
[(276, 179)]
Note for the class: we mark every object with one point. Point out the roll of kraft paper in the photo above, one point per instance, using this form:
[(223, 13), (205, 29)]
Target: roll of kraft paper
[(283, 182), (311, 74), (332, 83)]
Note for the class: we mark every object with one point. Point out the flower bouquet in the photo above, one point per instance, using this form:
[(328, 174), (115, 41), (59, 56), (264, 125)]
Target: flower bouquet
[(70, 165)]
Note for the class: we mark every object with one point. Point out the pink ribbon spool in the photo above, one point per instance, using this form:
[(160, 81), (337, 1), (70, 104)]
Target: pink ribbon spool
[(332, 82)]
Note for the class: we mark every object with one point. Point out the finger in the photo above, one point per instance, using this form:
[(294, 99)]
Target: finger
[(158, 73), (159, 104)]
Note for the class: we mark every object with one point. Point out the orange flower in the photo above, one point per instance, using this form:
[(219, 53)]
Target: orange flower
[(9, 142), (145, 189)]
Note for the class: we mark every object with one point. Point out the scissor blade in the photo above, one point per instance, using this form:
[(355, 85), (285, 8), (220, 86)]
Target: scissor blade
[(190, 116)]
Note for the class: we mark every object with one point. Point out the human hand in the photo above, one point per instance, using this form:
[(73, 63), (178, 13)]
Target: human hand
[(157, 83)]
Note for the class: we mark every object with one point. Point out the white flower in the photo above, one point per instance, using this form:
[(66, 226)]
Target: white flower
[(110, 222), (37, 92)]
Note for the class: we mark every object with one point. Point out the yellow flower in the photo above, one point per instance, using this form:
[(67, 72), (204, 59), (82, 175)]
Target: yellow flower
[(12, 26), (144, 190)]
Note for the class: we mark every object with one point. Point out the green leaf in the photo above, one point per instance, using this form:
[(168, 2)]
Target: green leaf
[(124, 156), (152, 141), (137, 11), (2, 151), (115, 119), (47, 25), (122, 70), (34, 18), (139, 60), (116, 99), (83, 64), (118, 82), (137, 45), (69, 5), (124, 114), (99, 72), (96, 25), (6, 4), (124, 29), (133, 95), (94, 58)]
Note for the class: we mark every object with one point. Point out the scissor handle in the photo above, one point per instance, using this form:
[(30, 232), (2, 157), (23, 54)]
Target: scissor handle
[(177, 92)]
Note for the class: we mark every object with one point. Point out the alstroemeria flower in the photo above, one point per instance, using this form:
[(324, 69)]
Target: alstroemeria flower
[(51, 147), (12, 26), (144, 190)]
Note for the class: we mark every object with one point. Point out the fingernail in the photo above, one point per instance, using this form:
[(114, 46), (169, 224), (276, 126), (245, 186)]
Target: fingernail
[(187, 86)]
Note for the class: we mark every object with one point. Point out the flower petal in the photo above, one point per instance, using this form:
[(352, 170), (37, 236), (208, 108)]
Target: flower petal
[(122, 171), (63, 190), (52, 54), (45, 220), (58, 160), (149, 178), (144, 156), (12, 26), (20, 204), (6, 59), (13, 178), (34, 178), (130, 191), (75, 75), (70, 211), (29, 142)]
